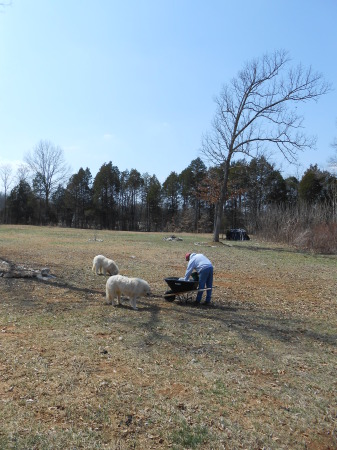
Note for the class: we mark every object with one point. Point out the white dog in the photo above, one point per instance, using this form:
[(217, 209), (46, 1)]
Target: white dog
[(131, 287), (102, 264)]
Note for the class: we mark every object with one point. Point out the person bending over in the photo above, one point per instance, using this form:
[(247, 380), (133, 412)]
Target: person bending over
[(204, 267)]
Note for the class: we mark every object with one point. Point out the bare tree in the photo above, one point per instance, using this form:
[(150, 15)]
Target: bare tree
[(333, 159), (22, 172), (47, 163), (254, 110), (333, 163), (6, 177)]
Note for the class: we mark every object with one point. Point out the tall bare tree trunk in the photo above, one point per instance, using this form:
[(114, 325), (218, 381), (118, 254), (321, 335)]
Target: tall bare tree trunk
[(222, 201)]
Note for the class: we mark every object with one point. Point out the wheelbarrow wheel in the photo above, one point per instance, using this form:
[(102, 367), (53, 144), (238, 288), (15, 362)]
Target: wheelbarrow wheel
[(169, 297)]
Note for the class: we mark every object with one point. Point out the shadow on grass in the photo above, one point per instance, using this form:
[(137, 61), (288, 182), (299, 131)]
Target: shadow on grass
[(269, 249), (246, 321), (71, 287), (291, 250)]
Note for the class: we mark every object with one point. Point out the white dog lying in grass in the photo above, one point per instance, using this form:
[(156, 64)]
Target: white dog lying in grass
[(102, 264), (130, 287)]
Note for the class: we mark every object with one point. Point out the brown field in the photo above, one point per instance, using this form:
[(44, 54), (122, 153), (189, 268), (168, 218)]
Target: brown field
[(257, 370)]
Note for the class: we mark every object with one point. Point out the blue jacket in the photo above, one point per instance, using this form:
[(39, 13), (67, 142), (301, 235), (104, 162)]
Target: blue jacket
[(197, 262)]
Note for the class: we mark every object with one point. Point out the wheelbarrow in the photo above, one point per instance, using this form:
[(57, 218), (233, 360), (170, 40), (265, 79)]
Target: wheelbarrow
[(182, 290)]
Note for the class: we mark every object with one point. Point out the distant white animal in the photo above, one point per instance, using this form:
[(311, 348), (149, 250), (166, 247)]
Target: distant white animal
[(130, 287), (102, 264)]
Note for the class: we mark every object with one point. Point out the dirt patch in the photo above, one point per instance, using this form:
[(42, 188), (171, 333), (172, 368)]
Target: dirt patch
[(256, 370)]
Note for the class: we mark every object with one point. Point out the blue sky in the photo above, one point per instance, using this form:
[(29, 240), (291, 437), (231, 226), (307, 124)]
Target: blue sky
[(133, 81)]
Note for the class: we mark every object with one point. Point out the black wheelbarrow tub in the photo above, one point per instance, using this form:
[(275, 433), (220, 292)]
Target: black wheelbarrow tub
[(181, 286)]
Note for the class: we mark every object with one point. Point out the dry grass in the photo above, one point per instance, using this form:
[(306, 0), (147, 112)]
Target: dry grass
[(257, 370)]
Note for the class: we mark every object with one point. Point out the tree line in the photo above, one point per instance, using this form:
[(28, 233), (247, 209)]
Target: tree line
[(259, 198)]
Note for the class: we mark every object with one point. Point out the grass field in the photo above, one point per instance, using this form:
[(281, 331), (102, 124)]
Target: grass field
[(257, 370)]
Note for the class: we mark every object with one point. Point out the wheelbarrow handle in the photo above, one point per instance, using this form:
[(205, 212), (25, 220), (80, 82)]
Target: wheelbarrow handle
[(187, 292)]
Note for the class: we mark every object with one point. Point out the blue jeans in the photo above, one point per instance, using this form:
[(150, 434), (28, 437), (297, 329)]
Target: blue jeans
[(205, 279)]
